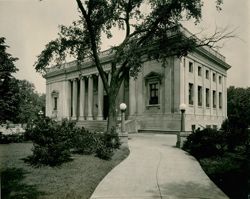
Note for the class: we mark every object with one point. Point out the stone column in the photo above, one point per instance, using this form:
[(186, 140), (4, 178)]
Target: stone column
[(204, 105), (82, 98), (67, 99), (224, 96), (182, 81), (74, 105), (100, 98), (90, 97), (211, 93), (132, 99), (195, 89)]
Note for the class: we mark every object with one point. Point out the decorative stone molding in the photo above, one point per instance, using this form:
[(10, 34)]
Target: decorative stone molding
[(153, 75)]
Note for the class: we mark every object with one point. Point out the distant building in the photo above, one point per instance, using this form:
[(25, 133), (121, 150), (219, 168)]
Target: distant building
[(197, 80)]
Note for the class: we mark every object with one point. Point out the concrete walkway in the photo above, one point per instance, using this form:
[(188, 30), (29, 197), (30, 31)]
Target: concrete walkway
[(156, 169)]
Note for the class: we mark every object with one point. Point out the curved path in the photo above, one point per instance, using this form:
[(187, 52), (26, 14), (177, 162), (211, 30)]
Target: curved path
[(156, 169)]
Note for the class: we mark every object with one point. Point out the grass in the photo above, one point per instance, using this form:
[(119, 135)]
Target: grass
[(75, 179)]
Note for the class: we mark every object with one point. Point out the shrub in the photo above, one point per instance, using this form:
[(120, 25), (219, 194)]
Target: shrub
[(205, 143), (107, 144), (104, 152), (54, 141), (84, 141), (235, 134), (11, 138), (51, 142)]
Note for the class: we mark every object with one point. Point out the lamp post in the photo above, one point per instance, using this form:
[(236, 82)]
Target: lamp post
[(40, 113), (182, 109), (123, 108)]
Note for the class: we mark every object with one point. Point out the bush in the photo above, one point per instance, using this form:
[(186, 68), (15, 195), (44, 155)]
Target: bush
[(11, 138), (107, 144), (51, 142), (235, 134), (205, 143), (84, 141)]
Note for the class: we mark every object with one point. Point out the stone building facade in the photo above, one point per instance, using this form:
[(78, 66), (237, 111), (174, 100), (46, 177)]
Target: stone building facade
[(153, 98)]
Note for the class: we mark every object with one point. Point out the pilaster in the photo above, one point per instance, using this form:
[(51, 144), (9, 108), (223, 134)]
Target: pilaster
[(74, 114), (82, 98), (90, 97)]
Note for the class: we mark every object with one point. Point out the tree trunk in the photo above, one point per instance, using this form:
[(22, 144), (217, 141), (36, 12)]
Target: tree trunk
[(112, 117), (112, 112)]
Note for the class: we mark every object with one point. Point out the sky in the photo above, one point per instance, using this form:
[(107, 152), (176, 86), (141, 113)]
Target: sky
[(28, 25)]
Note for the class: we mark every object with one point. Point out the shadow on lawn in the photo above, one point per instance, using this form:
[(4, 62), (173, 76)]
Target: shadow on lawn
[(13, 187)]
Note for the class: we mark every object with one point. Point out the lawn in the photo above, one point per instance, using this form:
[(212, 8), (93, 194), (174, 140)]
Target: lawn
[(75, 179)]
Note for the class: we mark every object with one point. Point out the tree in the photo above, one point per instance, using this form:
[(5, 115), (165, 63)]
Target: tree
[(9, 98), (152, 35), (30, 102), (238, 106)]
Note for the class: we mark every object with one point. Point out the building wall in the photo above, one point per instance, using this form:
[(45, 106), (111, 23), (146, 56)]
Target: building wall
[(201, 115), (174, 78), (162, 117)]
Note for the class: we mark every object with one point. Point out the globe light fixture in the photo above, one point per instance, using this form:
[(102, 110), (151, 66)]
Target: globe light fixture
[(40, 113), (183, 107), (123, 106)]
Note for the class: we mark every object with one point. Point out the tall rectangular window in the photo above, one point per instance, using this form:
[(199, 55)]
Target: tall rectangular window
[(199, 70), (153, 93), (199, 96), (219, 79), (214, 99), (207, 74), (207, 97), (191, 93), (220, 100), (214, 77), (190, 67), (55, 103)]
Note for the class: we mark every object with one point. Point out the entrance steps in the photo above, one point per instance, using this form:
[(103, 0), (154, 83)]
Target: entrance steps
[(171, 132), (95, 125)]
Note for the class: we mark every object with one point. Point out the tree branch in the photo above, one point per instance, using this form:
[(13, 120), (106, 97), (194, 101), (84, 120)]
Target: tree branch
[(93, 44)]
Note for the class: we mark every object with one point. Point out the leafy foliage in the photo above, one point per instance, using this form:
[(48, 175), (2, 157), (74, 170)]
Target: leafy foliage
[(18, 100), (205, 143), (224, 155), (30, 102), (51, 142), (54, 142), (238, 106), (84, 141), (12, 138), (8, 86), (107, 144)]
